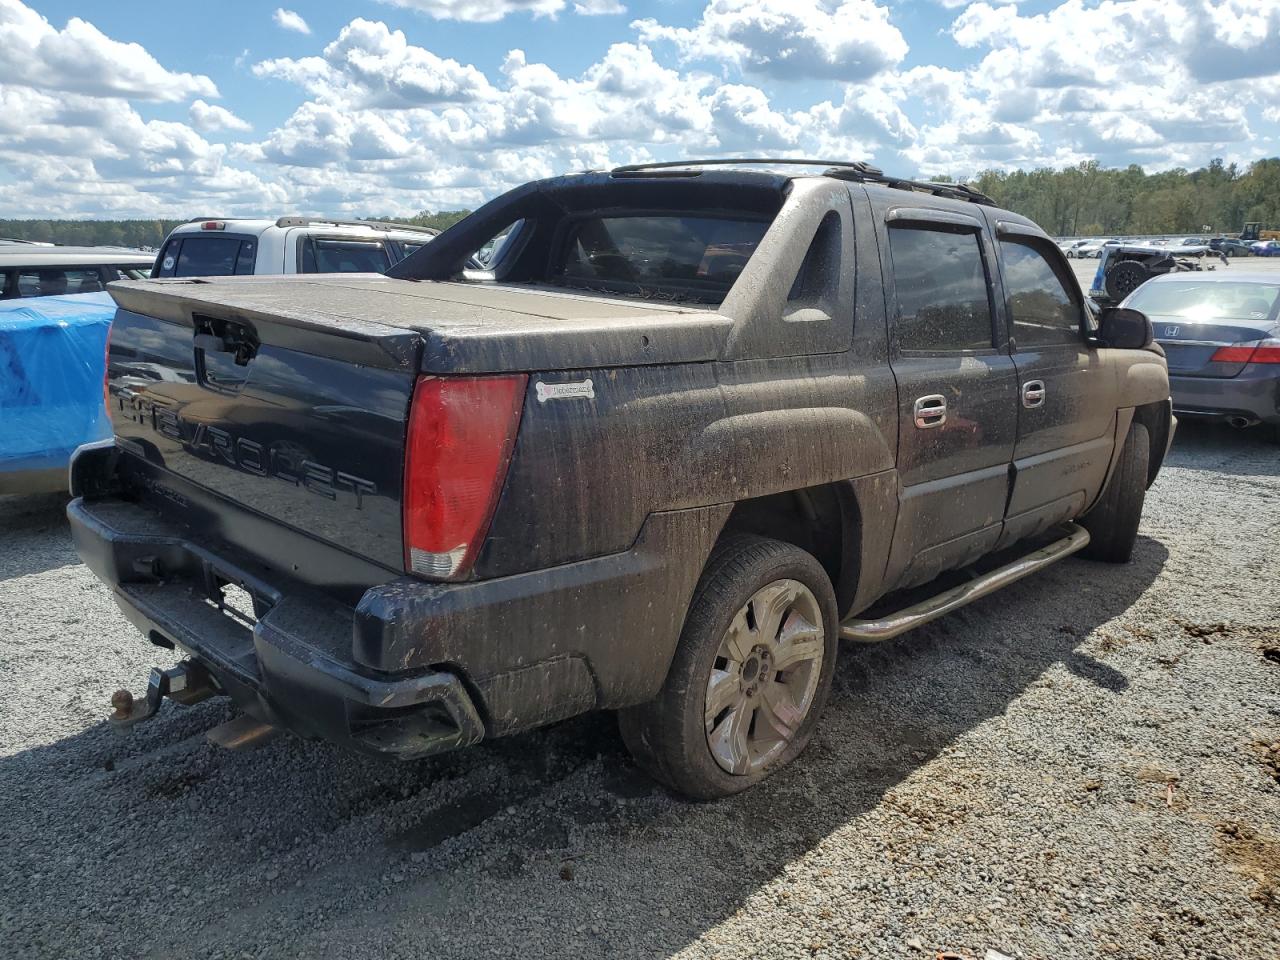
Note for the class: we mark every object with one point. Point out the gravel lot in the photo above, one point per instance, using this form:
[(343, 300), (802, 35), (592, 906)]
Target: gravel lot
[(1076, 767)]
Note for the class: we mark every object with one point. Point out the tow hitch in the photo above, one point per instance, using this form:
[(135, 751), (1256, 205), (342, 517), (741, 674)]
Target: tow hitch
[(187, 683)]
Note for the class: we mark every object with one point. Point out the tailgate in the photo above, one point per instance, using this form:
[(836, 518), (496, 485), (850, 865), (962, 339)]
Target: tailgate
[(303, 427)]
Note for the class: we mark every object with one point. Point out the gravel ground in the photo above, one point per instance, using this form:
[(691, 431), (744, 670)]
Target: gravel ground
[(1076, 767)]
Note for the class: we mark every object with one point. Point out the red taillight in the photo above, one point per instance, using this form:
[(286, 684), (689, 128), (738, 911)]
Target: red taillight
[(213, 225), (1232, 354), (461, 431), (1261, 351), (1268, 352)]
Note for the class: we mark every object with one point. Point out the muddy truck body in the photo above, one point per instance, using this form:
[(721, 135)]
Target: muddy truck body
[(685, 431)]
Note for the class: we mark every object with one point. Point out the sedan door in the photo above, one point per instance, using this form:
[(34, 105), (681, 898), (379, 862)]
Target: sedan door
[(957, 399), (1067, 390)]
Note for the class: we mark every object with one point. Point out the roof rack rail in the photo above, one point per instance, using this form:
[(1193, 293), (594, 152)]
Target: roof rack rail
[(858, 165), (375, 224), (858, 170), (953, 191)]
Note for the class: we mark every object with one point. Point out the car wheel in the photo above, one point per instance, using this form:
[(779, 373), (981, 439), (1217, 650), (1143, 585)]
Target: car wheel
[(1113, 522), (750, 675), (1124, 278)]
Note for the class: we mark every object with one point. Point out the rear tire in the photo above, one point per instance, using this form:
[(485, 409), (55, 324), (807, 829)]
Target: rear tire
[(750, 676), (1113, 523)]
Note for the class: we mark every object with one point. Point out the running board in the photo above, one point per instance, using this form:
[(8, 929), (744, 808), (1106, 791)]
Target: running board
[(886, 628)]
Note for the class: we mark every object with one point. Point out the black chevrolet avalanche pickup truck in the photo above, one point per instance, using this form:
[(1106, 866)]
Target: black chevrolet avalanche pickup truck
[(688, 428)]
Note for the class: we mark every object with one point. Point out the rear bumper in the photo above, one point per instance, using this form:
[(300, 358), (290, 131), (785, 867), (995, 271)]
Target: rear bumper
[(1254, 394), (288, 668)]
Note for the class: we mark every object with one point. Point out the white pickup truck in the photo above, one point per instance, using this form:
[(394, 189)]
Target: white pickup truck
[(207, 247)]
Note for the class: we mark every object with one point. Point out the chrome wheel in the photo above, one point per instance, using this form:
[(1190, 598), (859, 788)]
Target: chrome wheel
[(764, 677)]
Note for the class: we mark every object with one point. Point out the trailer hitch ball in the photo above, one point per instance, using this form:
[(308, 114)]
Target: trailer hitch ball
[(187, 683), (122, 704)]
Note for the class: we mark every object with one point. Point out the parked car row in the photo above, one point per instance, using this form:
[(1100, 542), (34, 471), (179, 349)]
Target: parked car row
[(1184, 246)]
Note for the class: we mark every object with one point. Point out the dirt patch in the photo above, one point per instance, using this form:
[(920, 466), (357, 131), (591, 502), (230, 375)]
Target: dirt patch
[(1257, 856), (1268, 752), (1203, 631)]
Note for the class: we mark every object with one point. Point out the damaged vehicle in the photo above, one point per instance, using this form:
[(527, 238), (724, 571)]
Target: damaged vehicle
[(1124, 267), (690, 427)]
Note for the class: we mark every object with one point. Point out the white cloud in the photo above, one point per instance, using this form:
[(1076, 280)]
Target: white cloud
[(844, 40), (369, 65), (81, 59), (207, 117), (288, 20), (480, 11), (598, 8), (374, 122)]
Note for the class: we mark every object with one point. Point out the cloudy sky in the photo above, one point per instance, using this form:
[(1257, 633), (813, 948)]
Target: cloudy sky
[(392, 106)]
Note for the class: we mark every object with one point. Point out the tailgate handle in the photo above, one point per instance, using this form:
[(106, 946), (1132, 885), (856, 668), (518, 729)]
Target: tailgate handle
[(225, 336)]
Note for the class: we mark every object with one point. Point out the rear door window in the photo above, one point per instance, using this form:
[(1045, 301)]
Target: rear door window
[(1041, 305), (944, 304), (320, 255)]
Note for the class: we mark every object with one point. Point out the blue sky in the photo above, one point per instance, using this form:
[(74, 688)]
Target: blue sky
[(393, 106)]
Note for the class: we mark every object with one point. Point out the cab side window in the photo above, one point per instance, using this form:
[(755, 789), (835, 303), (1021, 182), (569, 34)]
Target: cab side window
[(944, 303), (1043, 309)]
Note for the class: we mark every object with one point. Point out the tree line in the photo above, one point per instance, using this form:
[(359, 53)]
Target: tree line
[(1084, 200), (1089, 200)]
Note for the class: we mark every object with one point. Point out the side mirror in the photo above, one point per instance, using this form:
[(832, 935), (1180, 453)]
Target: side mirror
[(1124, 329)]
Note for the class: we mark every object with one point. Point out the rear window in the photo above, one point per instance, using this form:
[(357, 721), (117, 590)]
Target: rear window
[(344, 256), (203, 256), (1206, 301), (680, 257), (57, 281), (207, 257)]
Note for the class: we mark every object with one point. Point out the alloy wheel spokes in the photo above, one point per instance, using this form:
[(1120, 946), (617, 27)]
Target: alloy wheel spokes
[(764, 677)]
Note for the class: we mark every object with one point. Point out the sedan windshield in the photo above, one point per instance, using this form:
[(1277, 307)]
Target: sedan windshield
[(1200, 301)]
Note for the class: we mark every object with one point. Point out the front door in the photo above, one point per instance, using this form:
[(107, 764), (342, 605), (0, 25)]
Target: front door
[(957, 395), (1067, 391)]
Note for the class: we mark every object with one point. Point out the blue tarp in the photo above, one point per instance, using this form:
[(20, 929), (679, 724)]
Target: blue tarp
[(52, 351)]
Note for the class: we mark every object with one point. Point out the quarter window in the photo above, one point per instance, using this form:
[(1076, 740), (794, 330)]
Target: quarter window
[(941, 283), (1043, 310)]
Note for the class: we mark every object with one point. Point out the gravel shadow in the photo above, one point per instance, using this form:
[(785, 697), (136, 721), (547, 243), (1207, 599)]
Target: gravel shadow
[(1208, 445)]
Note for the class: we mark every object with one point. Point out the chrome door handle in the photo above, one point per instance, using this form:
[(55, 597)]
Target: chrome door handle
[(931, 411), (1033, 394)]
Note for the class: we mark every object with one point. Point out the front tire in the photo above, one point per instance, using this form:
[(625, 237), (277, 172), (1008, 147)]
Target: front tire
[(1113, 522), (750, 676)]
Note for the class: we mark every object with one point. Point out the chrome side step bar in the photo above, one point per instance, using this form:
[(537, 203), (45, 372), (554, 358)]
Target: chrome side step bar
[(886, 628)]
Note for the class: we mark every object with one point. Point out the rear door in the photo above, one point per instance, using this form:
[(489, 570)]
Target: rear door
[(1067, 390), (956, 392)]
